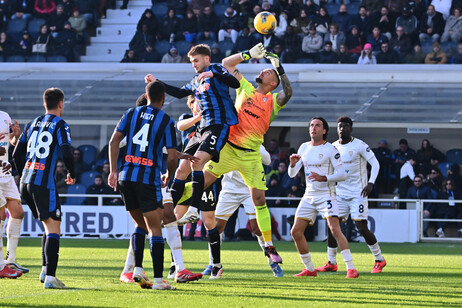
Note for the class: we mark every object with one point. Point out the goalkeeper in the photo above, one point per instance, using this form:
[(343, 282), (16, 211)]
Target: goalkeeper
[(256, 109)]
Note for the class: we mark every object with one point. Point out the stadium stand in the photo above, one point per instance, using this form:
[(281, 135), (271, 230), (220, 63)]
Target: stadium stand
[(75, 189), (89, 153)]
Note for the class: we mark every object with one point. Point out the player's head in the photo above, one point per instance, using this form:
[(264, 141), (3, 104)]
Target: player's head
[(142, 100), (53, 99), (344, 127), (268, 77), (155, 94), (199, 56), (192, 104), (318, 128)]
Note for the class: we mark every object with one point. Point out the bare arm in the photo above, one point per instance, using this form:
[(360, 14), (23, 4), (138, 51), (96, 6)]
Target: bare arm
[(113, 154), (187, 123), (230, 64), (285, 94)]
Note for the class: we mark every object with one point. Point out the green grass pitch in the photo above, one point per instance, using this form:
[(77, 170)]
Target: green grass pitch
[(418, 275)]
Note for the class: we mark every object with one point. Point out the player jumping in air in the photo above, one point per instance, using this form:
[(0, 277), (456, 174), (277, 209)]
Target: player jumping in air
[(256, 108)]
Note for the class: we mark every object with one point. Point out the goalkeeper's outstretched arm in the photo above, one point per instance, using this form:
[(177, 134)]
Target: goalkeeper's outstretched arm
[(256, 52)]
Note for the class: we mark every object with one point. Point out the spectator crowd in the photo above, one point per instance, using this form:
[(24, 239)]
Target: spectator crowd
[(366, 32)]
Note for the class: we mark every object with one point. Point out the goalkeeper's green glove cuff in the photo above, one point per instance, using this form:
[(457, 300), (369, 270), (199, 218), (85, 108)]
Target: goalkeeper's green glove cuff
[(245, 55)]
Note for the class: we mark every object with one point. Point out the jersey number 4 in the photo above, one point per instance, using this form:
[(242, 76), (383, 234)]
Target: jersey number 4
[(141, 137), (39, 144)]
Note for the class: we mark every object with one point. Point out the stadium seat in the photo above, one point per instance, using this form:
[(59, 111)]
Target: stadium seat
[(304, 60), (57, 59), (87, 178), (160, 10), (75, 189), (183, 47), (332, 8), (226, 45), (444, 167), (353, 8), (36, 58), (162, 47), (207, 42), (427, 46), (89, 153), (454, 156), (15, 28), (2, 59), (34, 26), (98, 165), (220, 9), (15, 59)]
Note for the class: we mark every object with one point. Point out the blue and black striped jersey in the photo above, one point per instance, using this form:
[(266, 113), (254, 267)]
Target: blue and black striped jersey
[(148, 130), (186, 135), (44, 137), (214, 100)]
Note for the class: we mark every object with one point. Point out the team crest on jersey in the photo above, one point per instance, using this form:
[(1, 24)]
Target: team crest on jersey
[(351, 153), (203, 88), (368, 149), (210, 167), (265, 99), (58, 213), (321, 156), (337, 156)]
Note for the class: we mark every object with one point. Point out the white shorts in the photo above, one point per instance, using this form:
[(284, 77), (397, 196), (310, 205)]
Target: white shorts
[(9, 191), (166, 196), (309, 208), (357, 207), (228, 203)]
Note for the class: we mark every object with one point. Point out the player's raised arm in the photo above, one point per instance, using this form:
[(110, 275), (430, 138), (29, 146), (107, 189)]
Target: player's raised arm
[(285, 94), (256, 52), (170, 90)]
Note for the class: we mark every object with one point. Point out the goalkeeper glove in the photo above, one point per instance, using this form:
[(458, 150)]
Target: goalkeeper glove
[(256, 52), (274, 58)]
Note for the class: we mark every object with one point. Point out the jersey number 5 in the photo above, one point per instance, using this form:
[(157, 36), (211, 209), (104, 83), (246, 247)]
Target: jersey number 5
[(141, 137), (39, 145)]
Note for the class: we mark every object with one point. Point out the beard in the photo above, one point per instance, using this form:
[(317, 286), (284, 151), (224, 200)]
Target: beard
[(258, 80)]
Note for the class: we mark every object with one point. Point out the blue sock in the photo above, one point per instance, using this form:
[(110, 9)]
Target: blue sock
[(157, 254), (138, 240)]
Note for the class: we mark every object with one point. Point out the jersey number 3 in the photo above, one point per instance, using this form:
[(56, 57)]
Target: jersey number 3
[(39, 144)]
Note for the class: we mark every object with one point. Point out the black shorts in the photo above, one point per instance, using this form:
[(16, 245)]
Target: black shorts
[(140, 196), (208, 201), (43, 202), (210, 139)]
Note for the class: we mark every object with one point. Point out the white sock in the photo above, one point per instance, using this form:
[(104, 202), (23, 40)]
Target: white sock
[(130, 260), (268, 244), (172, 235), (332, 255), (375, 249), (159, 280), (306, 260), (192, 209), (346, 254), (13, 231), (49, 278), (44, 268), (2, 261), (261, 242)]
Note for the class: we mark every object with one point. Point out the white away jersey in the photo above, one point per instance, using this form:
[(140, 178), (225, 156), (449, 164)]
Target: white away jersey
[(355, 155), (322, 159)]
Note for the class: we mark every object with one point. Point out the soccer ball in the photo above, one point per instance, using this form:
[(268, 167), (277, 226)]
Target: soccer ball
[(264, 22)]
